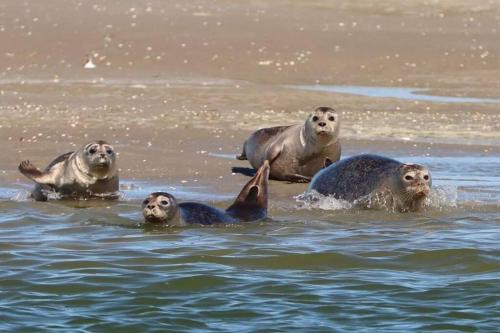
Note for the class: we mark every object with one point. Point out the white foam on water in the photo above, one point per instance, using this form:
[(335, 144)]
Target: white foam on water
[(441, 197), (315, 200)]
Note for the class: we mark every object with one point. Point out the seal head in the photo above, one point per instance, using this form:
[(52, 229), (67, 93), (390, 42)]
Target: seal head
[(414, 185), (322, 125), (97, 159), (160, 207)]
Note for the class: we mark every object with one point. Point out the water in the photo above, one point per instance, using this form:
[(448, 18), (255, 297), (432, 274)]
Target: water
[(93, 266), (414, 94)]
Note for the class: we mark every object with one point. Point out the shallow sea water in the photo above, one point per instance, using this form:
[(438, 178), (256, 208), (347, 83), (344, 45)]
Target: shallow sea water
[(93, 267)]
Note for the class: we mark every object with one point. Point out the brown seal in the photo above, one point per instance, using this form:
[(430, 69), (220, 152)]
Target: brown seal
[(296, 152), (86, 173)]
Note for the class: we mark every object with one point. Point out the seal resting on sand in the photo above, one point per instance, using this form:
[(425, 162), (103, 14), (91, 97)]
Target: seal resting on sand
[(375, 181), (89, 172), (296, 152), (250, 205)]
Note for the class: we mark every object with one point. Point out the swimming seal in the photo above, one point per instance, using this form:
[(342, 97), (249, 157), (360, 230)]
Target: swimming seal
[(89, 172), (250, 205), (375, 181), (296, 152)]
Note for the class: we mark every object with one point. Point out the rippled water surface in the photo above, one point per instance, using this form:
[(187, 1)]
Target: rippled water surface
[(92, 266)]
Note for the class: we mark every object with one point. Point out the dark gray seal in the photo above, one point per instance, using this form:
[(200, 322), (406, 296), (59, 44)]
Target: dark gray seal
[(250, 205), (89, 172), (375, 181), (296, 152)]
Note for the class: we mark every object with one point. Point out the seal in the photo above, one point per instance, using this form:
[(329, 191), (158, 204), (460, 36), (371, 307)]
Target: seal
[(296, 152), (375, 182), (250, 205), (89, 172)]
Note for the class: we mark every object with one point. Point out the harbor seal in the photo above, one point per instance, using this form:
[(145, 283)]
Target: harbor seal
[(250, 205), (89, 172), (296, 152), (375, 181)]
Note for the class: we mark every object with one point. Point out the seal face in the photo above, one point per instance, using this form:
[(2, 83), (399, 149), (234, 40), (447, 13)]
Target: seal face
[(375, 181), (249, 205), (296, 152), (90, 171)]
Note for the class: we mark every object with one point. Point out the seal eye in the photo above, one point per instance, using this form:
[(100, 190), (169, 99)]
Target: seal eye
[(109, 151), (426, 177), (408, 177), (92, 150), (331, 118), (145, 202), (164, 202), (315, 118)]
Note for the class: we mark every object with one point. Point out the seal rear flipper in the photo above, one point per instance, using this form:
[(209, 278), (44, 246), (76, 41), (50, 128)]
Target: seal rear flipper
[(33, 173), (251, 203), (244, 171)]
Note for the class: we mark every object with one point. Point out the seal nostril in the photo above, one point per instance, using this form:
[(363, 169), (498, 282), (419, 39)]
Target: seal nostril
[(322, 124), (151, 206)]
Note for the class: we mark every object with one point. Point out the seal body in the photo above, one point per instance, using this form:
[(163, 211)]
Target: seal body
[(375, 181), (89, 172), (296, 152), (249, 205)]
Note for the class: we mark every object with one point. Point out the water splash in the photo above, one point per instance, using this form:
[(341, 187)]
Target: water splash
[(315, 200), (441, 197), (21, 196)]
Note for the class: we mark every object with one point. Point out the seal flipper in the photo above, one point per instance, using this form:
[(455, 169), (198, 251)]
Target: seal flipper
[(251, 203), (244, 171), (35, 174), (243, 155)]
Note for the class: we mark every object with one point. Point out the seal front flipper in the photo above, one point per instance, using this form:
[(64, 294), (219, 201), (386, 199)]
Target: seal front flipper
[(243, 155), (251, 203), (33, 173)]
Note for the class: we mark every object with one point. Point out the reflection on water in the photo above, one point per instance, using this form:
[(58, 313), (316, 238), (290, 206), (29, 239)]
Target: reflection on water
[(93, 266), (415, 94)]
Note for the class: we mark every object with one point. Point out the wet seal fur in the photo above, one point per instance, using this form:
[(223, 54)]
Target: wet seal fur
[(375, 182), (250, 205), (298, 151), (89, 172)]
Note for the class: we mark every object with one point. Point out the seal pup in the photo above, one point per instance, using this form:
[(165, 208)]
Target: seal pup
[(250, 205), (296, 152), (89, 172), (375, 181)]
